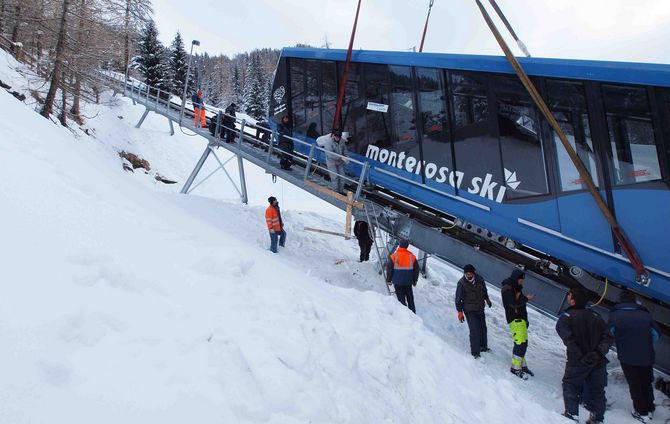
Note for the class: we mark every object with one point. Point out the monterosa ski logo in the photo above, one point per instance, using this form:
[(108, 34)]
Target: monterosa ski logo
[(482, 186)]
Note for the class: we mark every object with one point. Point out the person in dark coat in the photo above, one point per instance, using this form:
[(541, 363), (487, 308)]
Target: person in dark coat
[(587, 341), (199, 117), (312, 131), (362, 233), (402, 269), (285, 130), (635, 333), (471, 294), (514, 302), (229, 123)]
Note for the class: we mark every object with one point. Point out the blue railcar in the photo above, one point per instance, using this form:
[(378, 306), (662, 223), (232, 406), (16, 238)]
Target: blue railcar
[(459, 134)]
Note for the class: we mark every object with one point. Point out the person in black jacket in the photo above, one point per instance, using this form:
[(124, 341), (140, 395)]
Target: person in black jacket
[(229, 123), (285, 130), (514, 302), (587, 340), (471, 294), (362, 233), (635, 333)]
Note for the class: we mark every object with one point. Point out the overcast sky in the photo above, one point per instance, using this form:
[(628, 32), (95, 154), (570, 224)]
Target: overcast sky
[(624, 30)]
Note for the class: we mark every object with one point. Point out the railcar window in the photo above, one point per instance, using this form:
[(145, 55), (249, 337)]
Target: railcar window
[(474, 133), (377, 129), (402, 106), (433, 108), (278, 100), (312, 96), (328, 100), (520, 140), (631, 132), (567, 102), (298, 92), (353, 108)]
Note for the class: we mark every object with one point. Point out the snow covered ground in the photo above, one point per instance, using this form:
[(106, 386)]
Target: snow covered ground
[(126, 302)]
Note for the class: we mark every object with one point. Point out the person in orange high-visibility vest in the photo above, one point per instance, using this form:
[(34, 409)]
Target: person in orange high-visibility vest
[(275, 224), (402, 269), (199, 118)]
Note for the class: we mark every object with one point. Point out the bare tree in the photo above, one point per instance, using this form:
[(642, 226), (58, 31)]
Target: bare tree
[(56, 73)]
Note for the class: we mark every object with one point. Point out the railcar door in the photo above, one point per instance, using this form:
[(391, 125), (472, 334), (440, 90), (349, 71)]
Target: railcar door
[(579, 216)]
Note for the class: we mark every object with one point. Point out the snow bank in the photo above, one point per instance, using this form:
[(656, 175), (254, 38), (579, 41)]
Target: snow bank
[(126, 302)]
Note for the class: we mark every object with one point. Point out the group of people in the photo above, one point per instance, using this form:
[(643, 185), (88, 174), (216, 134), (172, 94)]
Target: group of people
[(585, 334)]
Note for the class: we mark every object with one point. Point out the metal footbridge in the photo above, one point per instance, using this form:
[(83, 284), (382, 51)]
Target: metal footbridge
[(390, 217)]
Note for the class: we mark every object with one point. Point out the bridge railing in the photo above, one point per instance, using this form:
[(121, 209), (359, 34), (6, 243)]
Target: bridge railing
[(306, 153)]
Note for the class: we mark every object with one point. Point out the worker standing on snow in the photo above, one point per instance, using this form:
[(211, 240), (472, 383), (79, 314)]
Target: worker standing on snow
[(471, 294), (362, 233), (402, 270), (275, 224), (635, 333), (514, 302), (199, 118), (587, 341)]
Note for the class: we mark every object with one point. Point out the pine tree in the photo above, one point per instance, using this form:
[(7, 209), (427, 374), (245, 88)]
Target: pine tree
[(237, 88), (178, 64), (254, 89), (150, 61)]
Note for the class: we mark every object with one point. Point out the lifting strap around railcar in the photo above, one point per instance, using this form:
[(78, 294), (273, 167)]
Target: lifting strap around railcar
[(425, 27), (340, 96), (626, 245)]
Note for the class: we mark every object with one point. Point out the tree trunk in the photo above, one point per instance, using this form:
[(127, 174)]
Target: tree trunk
[(58, 63), (126, 37), (63, 113), (76, 100)]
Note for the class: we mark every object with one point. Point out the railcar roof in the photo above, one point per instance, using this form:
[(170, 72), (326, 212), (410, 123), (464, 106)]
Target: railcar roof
[(620, 72)]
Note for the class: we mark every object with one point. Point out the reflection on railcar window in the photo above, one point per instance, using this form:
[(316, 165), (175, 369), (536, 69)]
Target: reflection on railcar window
[(312, 96), (377, 128), (520, 141), (328, 100), (567, 101), (433, 108), (353, 108), (278, 99), (474, 135), (402, 106), (298, 92), (631, 132)]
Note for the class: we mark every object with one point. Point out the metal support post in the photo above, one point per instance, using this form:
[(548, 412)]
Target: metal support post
[(194, 173), (171, 126), (272, 143), (144, 115), (309, 161), (423, 261), (240, 165), (361, 180)]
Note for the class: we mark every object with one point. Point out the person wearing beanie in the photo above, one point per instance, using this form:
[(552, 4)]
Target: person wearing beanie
[(514, 302), (635, 333), (402, 269), (362, 232), (275, 224), (471, 294), (335, 146), (199, 118), (587, 342), (229, 123)]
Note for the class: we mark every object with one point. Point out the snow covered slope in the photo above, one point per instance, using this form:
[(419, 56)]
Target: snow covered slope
[(125, 302)]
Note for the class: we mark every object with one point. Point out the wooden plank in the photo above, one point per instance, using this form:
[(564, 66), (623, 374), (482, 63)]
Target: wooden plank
[(329, 192), (332, 233), (347, 221)]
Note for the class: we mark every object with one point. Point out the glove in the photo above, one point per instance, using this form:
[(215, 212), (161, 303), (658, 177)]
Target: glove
[(488, 302), (272, 231), (460, 316), (592, 359)]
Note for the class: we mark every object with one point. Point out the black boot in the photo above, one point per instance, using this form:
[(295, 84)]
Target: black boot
[(527, 371)]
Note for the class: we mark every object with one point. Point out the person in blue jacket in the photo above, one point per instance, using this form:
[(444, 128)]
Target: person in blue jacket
[(635, 333)]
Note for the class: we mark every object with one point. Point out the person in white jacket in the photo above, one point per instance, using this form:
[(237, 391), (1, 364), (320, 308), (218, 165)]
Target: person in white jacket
[(334, 144)]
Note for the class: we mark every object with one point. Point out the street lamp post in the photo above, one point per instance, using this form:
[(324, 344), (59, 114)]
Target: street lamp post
[(188, 74)]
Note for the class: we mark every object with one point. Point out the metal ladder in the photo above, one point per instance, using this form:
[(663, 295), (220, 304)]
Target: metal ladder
[(382, 243)]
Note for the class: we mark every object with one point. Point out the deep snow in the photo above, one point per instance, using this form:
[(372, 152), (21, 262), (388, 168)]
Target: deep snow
[(124, 301)]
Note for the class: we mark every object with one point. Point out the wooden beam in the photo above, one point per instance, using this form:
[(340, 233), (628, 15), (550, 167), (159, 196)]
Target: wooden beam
[(329, 192), (347, 221), (332, 233)]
